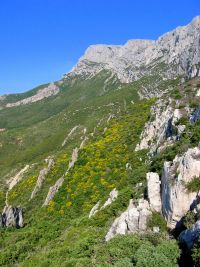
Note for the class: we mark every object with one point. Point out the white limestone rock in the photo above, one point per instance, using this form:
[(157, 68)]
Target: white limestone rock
[(153, 191), (112, 196), (179, 50), (176, 200), (17, 178), (46, 92), (159, 132), (94, 210), (134, 219), (42, 175), (53, 190)]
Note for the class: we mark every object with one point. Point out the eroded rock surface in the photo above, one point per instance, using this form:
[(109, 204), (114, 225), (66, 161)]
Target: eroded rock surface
[(178, 52), (161, 130), (11, 217), (153, 190), (176, 200), (134, 219), (53, 190), (46, 92), (42, 175)]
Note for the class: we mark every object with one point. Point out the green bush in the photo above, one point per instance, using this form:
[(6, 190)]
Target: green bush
[(156, 219), (193, 185)]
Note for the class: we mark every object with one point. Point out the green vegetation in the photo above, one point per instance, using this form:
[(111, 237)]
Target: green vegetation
[(193, 185)]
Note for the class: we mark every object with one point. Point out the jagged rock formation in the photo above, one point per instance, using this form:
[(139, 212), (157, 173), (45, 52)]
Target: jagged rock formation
[(134, 219), (162, 130), (153, 191), (178, 52), (42, 175), (46, 92), (176, 200), (11, 217), (189, 236)]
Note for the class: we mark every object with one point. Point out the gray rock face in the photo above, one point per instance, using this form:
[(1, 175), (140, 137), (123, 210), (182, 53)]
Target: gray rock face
[(189, 236), (178, 49), (134, 219), (48, 91), (162, 131), (153, 190), (11, 217), (176, 200)]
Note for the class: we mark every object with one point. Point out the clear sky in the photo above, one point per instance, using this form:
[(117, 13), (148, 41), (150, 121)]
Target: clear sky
[(42, 39)]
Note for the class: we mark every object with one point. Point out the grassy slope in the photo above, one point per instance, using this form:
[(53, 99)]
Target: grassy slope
[(62, 234)]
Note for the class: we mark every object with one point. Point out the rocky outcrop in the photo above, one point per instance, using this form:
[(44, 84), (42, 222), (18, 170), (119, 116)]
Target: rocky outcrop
[(112, 196), (70, 135), (153, 191), (11, 217), (177, 52), (14, 180), (176, 200), (46, 92), (42, 175), (134, 219), (190, 236), (162, 130), (94, 210), (53, 190)]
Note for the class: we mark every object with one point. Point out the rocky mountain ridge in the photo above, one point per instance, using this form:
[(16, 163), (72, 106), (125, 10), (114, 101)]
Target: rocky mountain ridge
[(179, 49)]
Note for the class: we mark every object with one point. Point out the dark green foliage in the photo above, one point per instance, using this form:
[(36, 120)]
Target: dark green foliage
[(157, 219), (193, 185)]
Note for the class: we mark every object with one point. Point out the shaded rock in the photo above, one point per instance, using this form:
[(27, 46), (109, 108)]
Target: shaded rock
[(12, 217), (196, 115), (189, 236)]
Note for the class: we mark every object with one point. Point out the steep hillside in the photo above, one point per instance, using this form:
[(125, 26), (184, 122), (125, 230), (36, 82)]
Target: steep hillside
[(103, 166)]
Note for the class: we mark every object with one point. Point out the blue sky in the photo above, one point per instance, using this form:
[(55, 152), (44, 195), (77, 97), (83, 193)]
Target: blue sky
[(42, 39)]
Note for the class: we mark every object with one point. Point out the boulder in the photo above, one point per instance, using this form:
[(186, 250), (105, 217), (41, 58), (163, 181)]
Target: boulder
[(12, 217)]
